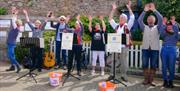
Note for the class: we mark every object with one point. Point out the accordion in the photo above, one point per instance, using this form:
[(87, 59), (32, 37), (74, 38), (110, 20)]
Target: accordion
[(29, 42)]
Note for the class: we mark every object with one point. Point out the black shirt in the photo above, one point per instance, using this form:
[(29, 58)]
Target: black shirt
[(97, 41)]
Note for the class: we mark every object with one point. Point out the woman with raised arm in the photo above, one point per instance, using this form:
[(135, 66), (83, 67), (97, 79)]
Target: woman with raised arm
[(169, 34), (61, 26), (11, 40), (97, 44), (37, 31), (77, 46)]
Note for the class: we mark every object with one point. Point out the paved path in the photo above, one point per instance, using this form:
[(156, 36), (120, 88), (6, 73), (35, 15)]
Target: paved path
[(87, 83)]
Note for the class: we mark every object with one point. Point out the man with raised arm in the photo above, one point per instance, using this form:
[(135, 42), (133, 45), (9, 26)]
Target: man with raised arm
[(150, 44), (121, 28)]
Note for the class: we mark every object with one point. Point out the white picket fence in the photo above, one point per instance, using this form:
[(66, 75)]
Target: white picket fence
[(134, 58)]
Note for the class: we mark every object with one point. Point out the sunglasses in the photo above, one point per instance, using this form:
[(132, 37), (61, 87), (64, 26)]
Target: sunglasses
[(62, 20)]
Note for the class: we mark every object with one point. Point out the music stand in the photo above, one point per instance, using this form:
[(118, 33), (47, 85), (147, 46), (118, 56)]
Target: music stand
[(83, 61), (113, 78), (31, 44), (68, 74), (67, 43), (31, 74), (114, 45)]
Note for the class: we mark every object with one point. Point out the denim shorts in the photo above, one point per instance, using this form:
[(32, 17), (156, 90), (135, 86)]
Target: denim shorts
[(150, 56)]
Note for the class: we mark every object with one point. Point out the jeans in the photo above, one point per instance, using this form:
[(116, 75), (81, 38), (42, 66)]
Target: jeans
[(75, 52), (168, 57), (58, 53), (11, 54), (151, 56)]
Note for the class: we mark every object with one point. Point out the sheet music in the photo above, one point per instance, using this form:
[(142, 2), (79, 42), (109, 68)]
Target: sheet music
[(67, 41), (114, 43)]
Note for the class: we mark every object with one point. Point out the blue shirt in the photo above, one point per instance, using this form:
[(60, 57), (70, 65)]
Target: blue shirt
[(169, 39), (12, 36), (59, 29)]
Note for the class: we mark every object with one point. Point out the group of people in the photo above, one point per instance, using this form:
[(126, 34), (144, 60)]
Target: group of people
[(168, 30)]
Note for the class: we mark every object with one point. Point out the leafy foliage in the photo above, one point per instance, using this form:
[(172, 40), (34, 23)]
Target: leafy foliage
[(3, 11), (137, 35), (20, 53), (167, 7), (85, 21), (47, 35)]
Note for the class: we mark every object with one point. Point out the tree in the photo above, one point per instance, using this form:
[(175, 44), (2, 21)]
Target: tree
[(167, 7)]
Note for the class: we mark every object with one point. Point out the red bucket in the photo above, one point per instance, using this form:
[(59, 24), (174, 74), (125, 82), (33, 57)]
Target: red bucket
[(55, 78), (106, 86)]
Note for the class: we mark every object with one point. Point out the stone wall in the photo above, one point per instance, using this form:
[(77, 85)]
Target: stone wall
[(41, 7)]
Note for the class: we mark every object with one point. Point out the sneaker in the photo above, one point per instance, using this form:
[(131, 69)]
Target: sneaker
[(79, 73), (171, 85), (12, 68), (93, 72), (18, 69), (64, 67), (57, 67), (39, 70), (102, 73), (124, 79), (110, 78)]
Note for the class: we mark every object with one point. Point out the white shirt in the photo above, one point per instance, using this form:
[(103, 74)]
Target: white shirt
[(120, 30)]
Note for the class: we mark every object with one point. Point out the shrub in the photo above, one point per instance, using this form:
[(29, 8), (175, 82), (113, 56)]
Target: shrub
[(3, 11), (167, 7), (20, 53)]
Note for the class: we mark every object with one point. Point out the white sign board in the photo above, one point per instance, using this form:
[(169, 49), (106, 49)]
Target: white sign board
[(67, 41), (5, 23), (114, 43), (26, 27)]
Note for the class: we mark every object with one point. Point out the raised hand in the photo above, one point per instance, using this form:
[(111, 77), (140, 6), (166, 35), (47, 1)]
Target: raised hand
[(164, 20), (173, 20), (114, 6), (49, 14), (13, 9), (16, 12), (68, 17), (129, 4), (152, 7), (78, 17), (90, 18), (101, 18), (146, 7), (24, 11), (90, 23)]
